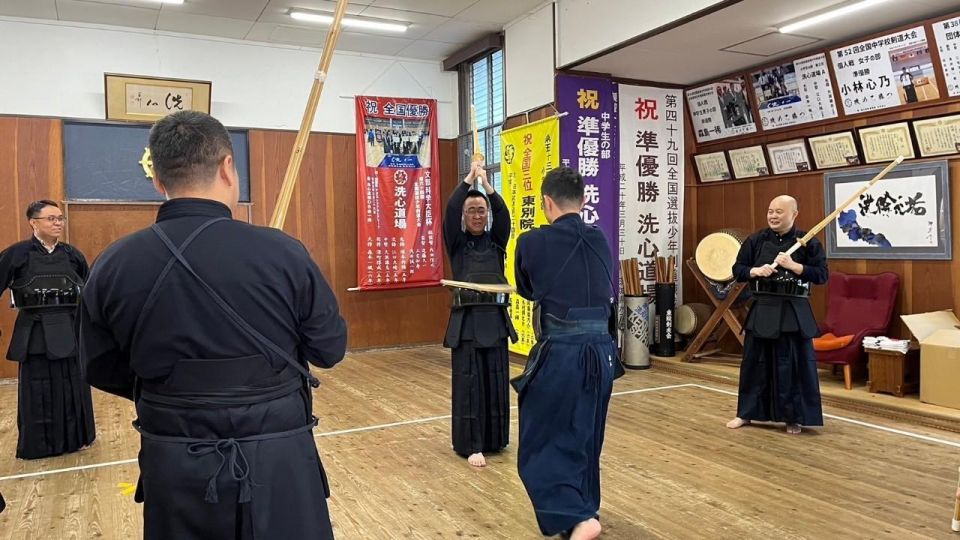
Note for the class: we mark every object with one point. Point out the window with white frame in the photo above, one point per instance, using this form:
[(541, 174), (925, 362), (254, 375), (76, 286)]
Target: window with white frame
[(481, 85)]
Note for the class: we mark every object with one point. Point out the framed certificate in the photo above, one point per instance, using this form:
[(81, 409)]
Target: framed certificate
[(789, 156), (885, 143), (938, 136), (749, 162), (712, 167), (834, 150)]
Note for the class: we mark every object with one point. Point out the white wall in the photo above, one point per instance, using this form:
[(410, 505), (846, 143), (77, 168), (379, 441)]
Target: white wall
[(528, 61), (585, 27), (56, 69)]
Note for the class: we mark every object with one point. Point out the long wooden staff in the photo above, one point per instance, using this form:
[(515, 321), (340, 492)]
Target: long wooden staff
[(955, 524), (299, 147), (477, 154), (830, 217)]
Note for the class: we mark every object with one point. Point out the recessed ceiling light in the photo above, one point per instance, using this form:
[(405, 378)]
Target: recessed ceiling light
[(349, 22), (828, 15)]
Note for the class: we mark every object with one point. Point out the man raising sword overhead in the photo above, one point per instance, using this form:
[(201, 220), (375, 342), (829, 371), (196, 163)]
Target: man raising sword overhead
[(476, 227)]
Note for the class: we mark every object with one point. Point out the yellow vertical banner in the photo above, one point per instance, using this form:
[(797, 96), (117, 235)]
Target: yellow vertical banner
[(527, 153)]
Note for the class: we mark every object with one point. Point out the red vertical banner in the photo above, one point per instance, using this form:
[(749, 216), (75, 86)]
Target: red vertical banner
[(398, 194)]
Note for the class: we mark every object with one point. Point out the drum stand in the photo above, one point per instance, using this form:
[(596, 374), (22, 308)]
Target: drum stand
[(723, 311)]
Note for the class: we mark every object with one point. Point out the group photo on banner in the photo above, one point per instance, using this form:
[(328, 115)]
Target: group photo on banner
[(398, 194), (528, 152)]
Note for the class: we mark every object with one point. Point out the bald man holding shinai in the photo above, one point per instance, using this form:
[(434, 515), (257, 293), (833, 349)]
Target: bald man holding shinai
[(778, 374)]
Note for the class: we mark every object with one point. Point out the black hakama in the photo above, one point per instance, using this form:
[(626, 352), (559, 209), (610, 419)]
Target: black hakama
[(779, 382), (481, 400), (54, 408)]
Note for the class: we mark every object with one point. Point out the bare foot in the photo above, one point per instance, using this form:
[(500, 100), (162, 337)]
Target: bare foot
[(793, 429), (737, 422), (477, 460), (586, 530)]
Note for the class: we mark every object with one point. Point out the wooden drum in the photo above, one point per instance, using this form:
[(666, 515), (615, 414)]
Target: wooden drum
[(717, 252), (690, 318)]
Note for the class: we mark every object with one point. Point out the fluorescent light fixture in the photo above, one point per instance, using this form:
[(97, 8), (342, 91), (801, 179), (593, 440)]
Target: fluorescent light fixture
[(177, 2), (829, 15), (349, 22)]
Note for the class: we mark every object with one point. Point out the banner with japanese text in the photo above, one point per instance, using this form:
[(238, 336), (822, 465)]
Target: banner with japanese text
[(527, 153), (588, 143), (651, 176), (398, 194)]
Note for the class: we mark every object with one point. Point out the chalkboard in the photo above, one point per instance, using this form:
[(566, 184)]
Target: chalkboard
[(102, 162)]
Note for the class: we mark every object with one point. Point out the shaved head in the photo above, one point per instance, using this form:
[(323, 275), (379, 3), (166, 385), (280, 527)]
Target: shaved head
[(781, 213)]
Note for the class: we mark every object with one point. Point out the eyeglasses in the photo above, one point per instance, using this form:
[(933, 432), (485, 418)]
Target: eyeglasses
[(52, 219), (476, 211)]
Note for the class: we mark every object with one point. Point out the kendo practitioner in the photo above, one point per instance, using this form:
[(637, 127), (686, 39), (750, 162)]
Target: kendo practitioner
[(208, 324), (778, 374), (566, 270), (45, 277), (476, 228)]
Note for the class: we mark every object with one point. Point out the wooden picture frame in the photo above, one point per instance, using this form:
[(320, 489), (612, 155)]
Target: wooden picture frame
[(905, 216), (884, 143), (712, 167), (788, 157), (938, 136), (834, 150), (748, 162), (136, 98)]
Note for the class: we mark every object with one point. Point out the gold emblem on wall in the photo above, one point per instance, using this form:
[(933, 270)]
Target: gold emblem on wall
[(147, 163)]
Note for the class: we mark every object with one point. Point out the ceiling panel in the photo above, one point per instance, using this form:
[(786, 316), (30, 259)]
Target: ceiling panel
[(106, 13), (421, 23), (231, 9), (498, 11), (445, 8), (37, 9), (771, 44), (190, 23)]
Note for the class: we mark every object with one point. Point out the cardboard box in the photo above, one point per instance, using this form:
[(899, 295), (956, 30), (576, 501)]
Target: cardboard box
[(939, 335)]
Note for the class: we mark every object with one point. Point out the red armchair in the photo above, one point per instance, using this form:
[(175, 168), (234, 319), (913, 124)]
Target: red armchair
[(860, 305)]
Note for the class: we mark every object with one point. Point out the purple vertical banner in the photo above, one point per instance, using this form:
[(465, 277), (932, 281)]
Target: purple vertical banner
[(589, 143)]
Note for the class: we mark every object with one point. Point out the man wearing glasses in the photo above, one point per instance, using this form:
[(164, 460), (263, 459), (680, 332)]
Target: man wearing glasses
[(45, 276), (476, 227)]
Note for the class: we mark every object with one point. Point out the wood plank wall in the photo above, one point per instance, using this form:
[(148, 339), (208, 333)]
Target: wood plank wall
[(31, 168), (322, 215), (925, 285)]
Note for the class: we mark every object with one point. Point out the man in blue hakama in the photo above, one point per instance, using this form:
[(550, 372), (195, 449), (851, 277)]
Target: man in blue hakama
[(565, 268)]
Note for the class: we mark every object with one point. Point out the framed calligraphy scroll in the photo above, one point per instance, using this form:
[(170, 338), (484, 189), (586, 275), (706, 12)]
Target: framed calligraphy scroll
[(147, 99), (904, 216)]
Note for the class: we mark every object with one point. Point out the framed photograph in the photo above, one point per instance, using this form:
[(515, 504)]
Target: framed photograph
[(789, 156), (749, 162), (885, 143), (147, 99), (712, 167), (906, 215), (938, 136), (834, 150)]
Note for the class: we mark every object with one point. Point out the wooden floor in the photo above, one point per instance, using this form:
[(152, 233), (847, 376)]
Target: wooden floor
[(670, 467)]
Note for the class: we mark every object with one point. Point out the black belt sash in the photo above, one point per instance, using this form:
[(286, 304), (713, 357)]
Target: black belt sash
[(230, 454)]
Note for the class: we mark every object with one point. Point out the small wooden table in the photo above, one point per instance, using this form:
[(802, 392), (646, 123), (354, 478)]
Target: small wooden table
[(894, 372)]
